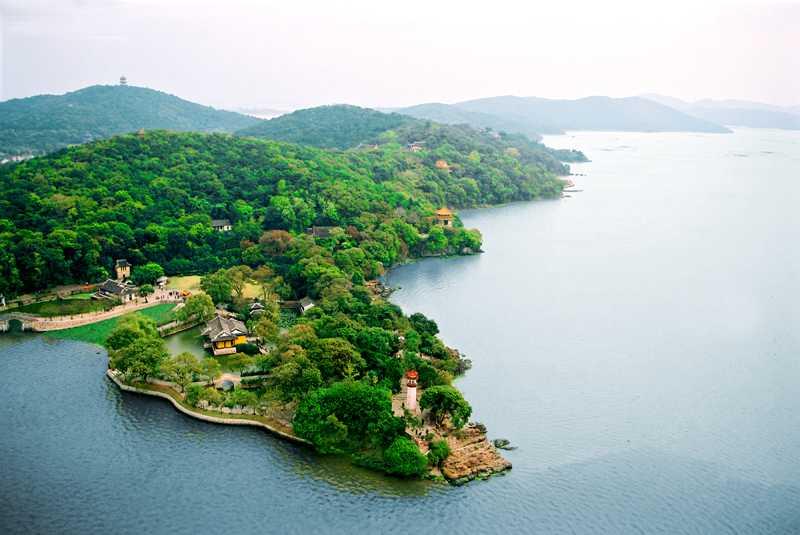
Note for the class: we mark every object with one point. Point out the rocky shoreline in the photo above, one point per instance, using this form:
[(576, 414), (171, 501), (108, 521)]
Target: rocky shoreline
[(472, 456)]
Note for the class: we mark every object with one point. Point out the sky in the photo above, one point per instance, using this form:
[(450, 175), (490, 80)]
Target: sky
[(287, 55)]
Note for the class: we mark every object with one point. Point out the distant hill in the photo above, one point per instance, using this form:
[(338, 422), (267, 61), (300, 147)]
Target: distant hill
[(339, 126), (349, 127), (591, 113), (451, 114), (736, 112), (44, 123)]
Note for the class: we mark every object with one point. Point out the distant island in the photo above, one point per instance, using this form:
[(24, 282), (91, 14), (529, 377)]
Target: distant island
[(307, 228), (533, 116), (736, 112)]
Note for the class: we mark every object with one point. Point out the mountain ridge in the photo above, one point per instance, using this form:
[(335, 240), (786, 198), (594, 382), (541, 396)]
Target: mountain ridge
[(43, 123)]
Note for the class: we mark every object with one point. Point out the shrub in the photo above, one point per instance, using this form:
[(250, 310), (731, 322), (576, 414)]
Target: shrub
[(247, 349), (253, 381), (439, 451), (403, 458), (193, 393)]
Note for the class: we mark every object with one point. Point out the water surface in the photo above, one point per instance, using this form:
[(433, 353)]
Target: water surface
[(637, 342)]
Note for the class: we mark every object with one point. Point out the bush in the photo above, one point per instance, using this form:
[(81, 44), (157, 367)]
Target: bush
[(439, 451), (247, 349), (253, 381), (193, 393), (403, 458)]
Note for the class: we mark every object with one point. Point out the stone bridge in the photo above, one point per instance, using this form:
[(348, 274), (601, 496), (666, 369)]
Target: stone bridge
[(17, 321)]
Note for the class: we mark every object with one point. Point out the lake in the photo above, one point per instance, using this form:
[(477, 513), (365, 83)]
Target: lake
[(636, 341)]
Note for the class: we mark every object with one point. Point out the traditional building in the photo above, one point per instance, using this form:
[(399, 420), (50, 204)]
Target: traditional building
[(411, 390), (161, 282), (221, 225), (224, 334), (304, 305), (256, 309), (320, 232), (444, 217), (123, 269), (416, 146), (114, 289)]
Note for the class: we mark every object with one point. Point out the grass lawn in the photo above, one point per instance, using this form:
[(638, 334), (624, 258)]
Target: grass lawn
[(191, 283), (66, 307), (96, 333)]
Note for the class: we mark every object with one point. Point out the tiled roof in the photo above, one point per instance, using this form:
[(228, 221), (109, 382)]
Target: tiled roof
[(221, 328)]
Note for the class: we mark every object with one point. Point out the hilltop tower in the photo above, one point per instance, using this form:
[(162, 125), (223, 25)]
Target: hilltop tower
[(123, 80), (411, 390), (123, 269)]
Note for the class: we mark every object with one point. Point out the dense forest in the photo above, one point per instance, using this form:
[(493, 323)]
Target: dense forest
[(332, 127), (150, 198), (41, 124)]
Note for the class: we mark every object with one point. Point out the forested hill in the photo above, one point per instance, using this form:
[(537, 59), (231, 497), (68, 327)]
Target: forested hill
[(41, 124), (65, 217), (346, 127), (338, 126), (463, 147)]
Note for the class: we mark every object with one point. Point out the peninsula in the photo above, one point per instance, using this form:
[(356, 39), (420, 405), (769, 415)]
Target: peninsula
[(290, 241)]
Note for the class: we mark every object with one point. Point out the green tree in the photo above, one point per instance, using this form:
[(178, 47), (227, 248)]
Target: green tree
[(403, 458), (186, 367), (296, 377), (142, 358), (211, 369), (238, 277), (146, 289), (445, 400), (337, 358), (356, 406), (197, 306), (129, 329), (218, 286), (266, 329), (147, 274)]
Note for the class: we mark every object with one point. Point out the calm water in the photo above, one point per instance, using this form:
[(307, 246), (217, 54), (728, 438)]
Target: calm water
[(638, 342)]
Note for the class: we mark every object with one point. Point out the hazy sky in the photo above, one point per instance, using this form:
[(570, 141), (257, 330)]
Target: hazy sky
[(298, 53)]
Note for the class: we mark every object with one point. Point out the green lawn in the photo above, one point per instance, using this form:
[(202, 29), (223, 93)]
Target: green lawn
[(96, 333), (66, 307)]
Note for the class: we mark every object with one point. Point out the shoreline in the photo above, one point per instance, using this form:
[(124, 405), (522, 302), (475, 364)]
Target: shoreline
[(205, 417)]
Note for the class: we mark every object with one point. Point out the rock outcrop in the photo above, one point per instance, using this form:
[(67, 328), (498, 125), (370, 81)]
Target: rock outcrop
[(472, 456)]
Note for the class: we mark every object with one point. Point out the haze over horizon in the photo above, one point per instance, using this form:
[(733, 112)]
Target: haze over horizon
[(266, 54)]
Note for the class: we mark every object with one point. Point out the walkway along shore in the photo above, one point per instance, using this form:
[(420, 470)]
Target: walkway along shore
[(57, 323), (159, 391)]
